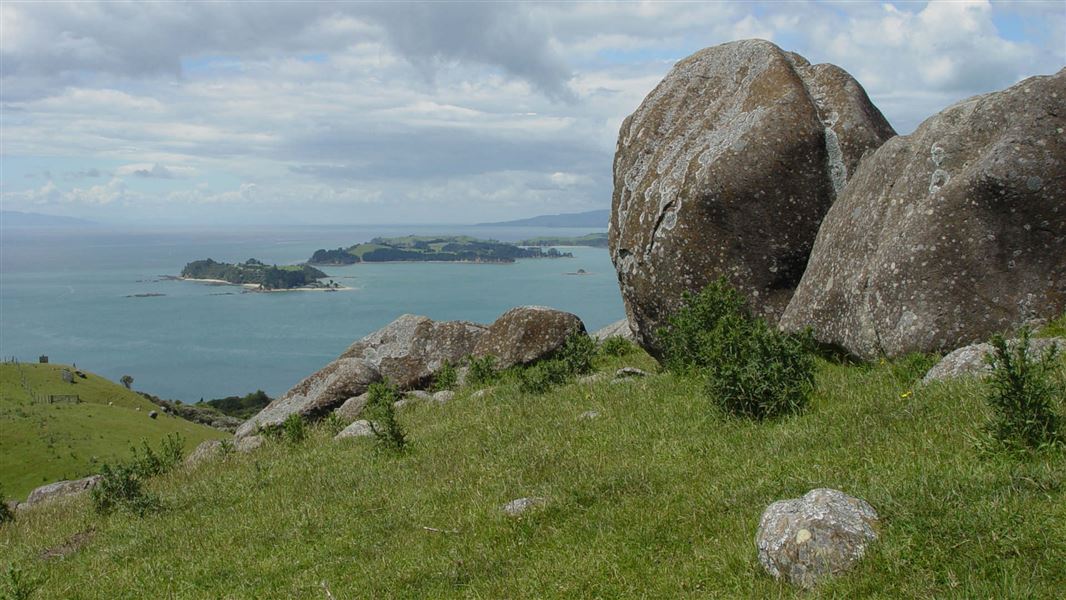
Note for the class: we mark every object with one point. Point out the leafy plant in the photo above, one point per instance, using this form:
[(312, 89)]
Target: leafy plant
[(17, 585), (294, 428), (616, 345), (482, 370), (1021, 391), (543, 376), (578, 353), (148, 463), (749, 367), (381, 413), (333, 424), (6, 514), (121, 487), (446, 378)]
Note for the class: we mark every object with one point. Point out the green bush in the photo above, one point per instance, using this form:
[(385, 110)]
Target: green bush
[(482, 370), (1021, 392), (294, 429), (616, 345), (704, 319), (381, 413), (578, 353), (121, 487), (446, 378), (333, 424), (750, 368), (6, 514), (149, 463), (543, 376), (17, 585)]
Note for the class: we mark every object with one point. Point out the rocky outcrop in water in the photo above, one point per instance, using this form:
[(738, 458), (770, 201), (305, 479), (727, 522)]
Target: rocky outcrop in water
[(948, 235), (727, 168)]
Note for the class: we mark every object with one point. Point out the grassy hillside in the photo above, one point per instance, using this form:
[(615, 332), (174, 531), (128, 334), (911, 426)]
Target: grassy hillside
[(658, 497), (42, 442)]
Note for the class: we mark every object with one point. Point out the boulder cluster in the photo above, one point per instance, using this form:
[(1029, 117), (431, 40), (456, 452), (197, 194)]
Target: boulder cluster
[(750, 163)]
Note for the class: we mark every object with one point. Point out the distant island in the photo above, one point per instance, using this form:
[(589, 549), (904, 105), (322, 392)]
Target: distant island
[(432, 249), (254, 273), (594, 240), (592, 218)]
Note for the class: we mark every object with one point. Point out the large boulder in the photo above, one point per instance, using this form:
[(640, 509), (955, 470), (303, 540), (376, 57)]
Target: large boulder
[(727, 168), (526, 334), (617, 329), (317, 394), (972, 361), (948, 235), (411, 349), (60, 489), (825, 532)]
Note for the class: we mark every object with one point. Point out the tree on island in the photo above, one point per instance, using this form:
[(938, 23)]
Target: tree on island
[(126, 381)]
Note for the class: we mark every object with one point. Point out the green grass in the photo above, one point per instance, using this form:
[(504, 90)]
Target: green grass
[(659, 497), (1055, 328), (41, 443)]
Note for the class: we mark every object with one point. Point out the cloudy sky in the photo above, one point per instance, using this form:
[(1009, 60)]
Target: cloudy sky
[(269, 113)]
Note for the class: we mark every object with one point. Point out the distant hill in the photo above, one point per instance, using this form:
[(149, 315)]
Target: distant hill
[(594, 240), (592, 218), (53, 429), (14, 218)]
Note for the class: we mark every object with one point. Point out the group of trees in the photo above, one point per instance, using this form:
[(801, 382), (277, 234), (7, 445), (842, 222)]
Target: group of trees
[(270, 277)]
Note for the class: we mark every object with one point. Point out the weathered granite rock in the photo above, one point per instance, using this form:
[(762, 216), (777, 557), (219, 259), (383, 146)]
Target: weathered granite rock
[(443, 396), (626, 372), (617, 329), (520, 506), (355, 430), (727, 168), (527, 333), (60, 489), (207, 450), (352, 408), (970, 361), (411, 349), (248, 443), (317, 394), (948, 235), (823, 533)]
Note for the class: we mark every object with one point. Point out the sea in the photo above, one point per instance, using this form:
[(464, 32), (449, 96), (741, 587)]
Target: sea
[(99, 298)]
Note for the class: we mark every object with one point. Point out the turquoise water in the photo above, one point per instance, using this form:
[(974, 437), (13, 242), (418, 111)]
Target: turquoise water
[(64, 294)]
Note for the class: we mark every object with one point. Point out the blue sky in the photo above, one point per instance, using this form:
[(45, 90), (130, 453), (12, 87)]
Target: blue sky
[(273, 113)]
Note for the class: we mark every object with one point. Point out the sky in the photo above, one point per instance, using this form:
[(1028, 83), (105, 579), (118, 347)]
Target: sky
[(274, 113)]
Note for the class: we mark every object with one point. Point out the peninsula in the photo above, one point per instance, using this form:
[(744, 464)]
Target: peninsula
[(432, 249), (593, 240), (258, 275)]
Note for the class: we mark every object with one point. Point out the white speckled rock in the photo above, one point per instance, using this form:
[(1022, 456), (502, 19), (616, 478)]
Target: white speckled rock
[(617, 329), (520, 506), (355, 430), (352, 408), (248, 443), (411, 349), (823, 533), (60, 489), (970, 361), (947, 235), (443, 396), (207, 450), (726, 169), (527, 333)]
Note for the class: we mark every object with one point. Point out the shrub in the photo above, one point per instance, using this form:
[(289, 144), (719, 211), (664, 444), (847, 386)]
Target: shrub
[(148, 463), (703, 319), (294, 429), (578, 353), (6, 514), (543, 376), (482, 370), (446, 378), (750, 368), (381, 413), (616, 345), (1021, 391), (334, 424), (18, 586), (121, 487)]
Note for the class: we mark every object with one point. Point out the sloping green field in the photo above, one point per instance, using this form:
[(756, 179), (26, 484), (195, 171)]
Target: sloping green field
[(657, 497), (42, 441)]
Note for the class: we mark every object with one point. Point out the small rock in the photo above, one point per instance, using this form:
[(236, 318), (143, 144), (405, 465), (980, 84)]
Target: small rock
[(520, 506), (617, 329), (969, 361), (589, 415), (60, 489), (352, 408), (443, 396), (625, 372), (823, 533), (248, 443), (482, 392), (357, 429), (205, 451), (153, 414), (593, 378), (418, 395), (400, 403)]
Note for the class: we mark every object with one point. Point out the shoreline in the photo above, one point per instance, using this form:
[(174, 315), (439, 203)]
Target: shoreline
[(254, 287)]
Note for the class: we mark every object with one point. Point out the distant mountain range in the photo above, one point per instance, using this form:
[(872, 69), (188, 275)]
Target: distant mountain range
[(14, 218), (592, 218)]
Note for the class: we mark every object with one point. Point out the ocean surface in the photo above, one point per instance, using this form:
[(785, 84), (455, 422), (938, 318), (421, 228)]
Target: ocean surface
[(69, 294)]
